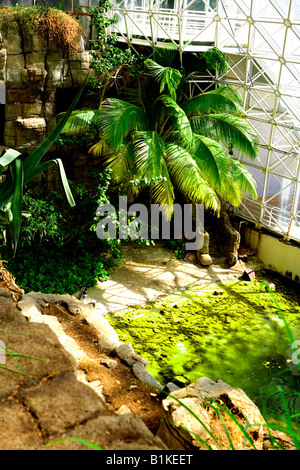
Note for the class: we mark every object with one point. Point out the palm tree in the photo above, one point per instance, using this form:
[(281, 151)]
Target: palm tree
[(184, 146)]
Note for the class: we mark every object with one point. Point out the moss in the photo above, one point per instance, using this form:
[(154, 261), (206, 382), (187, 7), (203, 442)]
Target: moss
[(55, 26), (230, 331)]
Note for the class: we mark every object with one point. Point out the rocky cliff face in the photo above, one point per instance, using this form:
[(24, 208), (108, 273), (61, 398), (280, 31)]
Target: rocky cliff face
[(33, 73)]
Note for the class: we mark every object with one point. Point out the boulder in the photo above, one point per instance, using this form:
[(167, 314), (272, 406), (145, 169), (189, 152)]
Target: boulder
[(203, 414), (205, 259)]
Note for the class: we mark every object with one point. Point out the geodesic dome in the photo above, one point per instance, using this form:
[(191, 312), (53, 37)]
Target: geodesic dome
[(261, 39)]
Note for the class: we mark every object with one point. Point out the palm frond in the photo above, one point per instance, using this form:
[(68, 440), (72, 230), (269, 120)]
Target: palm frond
[(233, 131), (148, 149), (122, 163), (167, 77), (224, 99), (228, 176), (166, 55), (243, 178), (187, 177), (118, 118), (81, 121), (175, 125), (212, 159)]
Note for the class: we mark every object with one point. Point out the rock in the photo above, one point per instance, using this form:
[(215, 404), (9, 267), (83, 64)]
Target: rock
[(190, 257), (127, 354), (51, 400), (123, 410), (14, 66), (143, 375), (205, 259), (205, 247), (30, 65), (3, 59), (32, 304), (121, 432), (43, 355), (179, 427), (9, 314), (18, 431), (76, 404)]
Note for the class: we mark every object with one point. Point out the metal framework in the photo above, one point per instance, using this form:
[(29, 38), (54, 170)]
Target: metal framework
[(261, 39)]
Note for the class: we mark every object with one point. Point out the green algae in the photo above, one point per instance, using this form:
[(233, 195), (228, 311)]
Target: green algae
[(233, 332)]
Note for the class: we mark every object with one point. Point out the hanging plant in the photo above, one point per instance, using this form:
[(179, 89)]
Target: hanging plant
[(215, 60)]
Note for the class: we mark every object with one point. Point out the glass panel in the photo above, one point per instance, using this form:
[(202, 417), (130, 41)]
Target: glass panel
[(280, 192)]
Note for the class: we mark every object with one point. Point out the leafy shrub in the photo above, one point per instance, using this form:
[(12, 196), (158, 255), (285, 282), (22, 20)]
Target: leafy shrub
[(43, 220), (58, 271), (58, 248)]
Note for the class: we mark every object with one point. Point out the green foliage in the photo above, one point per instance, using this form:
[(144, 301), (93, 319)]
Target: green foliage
[(22, 170), (189, 143), (215, 60), (108, 60), (56, 270), (42, 222), (58, 248), (177, 246)]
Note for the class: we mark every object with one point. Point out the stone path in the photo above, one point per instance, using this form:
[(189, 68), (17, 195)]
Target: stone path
[(146, 273)]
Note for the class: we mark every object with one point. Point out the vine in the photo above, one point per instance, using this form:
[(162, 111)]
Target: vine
[(109, 61)]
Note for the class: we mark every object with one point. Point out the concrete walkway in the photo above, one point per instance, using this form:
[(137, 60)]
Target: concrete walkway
[(146, 273)]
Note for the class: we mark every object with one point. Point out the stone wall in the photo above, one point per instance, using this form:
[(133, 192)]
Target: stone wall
[(32, 73)]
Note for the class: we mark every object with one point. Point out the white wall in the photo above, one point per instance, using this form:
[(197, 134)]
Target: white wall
[(276, 254)]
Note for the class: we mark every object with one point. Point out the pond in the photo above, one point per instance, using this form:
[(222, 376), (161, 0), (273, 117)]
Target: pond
[(234, 332)]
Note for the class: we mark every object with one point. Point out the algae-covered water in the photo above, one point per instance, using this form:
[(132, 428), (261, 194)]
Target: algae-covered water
[(233, 331)]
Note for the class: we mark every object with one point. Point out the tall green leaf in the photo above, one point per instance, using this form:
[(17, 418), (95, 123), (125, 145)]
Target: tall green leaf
[(81, 121), (148, 149), (22, 171), (187, 177), (228, 176), (122, 163), (7, 158), (175, 127), (44, 166), (15, 209)]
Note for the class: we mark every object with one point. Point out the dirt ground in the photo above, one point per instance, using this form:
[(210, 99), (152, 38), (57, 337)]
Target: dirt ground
[(119, 385)]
